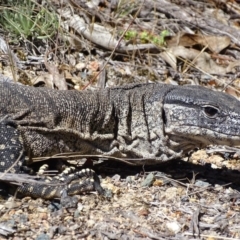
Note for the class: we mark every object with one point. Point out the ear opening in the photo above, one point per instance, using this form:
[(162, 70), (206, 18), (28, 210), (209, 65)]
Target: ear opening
[(164, 117)]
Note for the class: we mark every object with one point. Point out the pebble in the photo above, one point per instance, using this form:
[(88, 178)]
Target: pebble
[(173, 227), (147, 182), (43, 236)]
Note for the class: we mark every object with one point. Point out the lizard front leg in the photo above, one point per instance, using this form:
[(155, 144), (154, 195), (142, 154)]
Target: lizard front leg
[(12, 159), (11, 148)]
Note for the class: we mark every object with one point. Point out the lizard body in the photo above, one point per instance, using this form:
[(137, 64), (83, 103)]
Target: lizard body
[(143, 123)]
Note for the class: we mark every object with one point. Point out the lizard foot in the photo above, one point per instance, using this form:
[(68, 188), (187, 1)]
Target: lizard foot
[(78, 182)]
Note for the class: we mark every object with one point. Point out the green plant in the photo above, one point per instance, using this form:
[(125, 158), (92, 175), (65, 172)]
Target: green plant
[(130, 35), (28, 19), (163, 34), (147, 37)]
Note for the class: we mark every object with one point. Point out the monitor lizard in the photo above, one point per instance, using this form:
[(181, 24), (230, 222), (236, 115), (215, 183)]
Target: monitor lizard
[(140, 123)]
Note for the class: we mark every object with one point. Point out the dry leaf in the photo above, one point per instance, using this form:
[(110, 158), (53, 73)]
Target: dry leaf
[(46, 79), (94, 66), (57, 79), (215, 43), (200, 60)]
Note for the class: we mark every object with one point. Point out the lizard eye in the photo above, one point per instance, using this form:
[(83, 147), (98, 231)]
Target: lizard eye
[(210, 111)]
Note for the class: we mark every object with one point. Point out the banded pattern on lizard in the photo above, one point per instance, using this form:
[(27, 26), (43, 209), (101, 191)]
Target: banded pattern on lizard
[(141, 123)]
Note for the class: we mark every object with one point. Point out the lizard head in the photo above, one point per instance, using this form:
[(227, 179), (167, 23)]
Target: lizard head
[(195, 116)]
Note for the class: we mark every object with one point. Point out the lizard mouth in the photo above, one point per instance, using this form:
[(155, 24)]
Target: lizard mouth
[(201, 137)]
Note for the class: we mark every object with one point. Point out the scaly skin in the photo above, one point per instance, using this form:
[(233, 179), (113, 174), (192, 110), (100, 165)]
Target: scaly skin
[(141, 123)]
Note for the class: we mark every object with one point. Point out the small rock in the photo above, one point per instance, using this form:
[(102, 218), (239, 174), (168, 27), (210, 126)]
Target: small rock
[(80, 66), (214, 166), (77, 214), (200, 183), (90, 223), (173, 227), (147, 182), (158, 182), (74, 227), (216, 159), (116, 177), (62, 229), (130, 179), (171, 192), (43, 236), (54, 206), (143, 212), (197, 156)]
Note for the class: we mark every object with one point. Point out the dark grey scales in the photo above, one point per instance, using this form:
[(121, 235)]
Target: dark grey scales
[(141, 123)]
